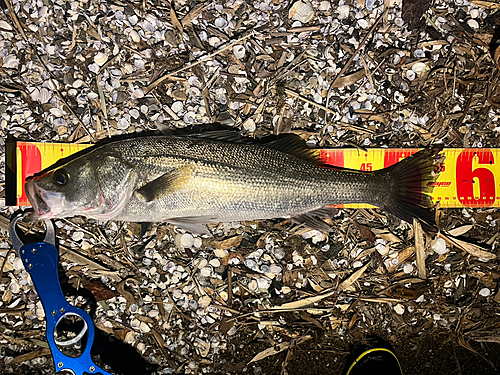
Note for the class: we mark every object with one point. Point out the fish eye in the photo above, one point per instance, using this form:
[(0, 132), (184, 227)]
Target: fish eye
[(61, 177)]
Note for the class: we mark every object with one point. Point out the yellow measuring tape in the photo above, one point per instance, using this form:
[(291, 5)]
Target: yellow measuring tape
[(469, 176)]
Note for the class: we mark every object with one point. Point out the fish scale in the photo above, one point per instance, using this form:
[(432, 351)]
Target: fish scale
[(198, 180), (245, 182)]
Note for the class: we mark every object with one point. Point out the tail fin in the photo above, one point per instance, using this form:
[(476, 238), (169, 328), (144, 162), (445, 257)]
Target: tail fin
[(413, 183)]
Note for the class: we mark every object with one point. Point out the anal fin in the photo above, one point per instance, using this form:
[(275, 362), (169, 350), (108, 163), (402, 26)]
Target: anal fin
[(312, 219), (193, 224)]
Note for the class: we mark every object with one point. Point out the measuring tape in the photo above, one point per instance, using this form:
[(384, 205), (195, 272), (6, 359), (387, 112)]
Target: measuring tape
[(469, 176), (24, 159)]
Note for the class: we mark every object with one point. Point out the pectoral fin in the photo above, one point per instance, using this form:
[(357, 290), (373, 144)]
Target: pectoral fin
[(165, 184)]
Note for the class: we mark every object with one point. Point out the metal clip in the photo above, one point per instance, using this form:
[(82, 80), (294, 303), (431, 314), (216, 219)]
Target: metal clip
[(41, 261)]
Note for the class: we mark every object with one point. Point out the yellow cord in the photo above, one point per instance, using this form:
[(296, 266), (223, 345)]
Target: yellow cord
[(371, 351)]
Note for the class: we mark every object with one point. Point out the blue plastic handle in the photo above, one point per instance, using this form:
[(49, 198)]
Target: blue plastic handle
[(41, 260)]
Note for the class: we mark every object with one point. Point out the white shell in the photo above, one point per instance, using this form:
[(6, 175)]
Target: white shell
[(187, 240), (220, 253), (194, 81), (418, 53), (43, 95), (5, 25), (363, 23), (177, 106), (144, 327), (400, 309), (153, 313), (253, 286), (215, 262), (204, 301), (239, 51), (324, 6), (220, 22), (57, 113), (263, 283), (357, 264), (133, 19), (139, 63), (10, 61), (194, 91), (485, 292), (343, 11), (42, 12), (189, 117), (399, 22), (123, 123), (410, 74), (94, 68), (100, 58), (275, 269), (39, 311), (78, 83), (418, 67), (440, 246), (398, 97), (474, 13), (15, 287), (206, 271), (137, 93), (473, 24), (134, 35), (18, 264), (382, 249), (249, 125), (197, 242), (301, 11), (214, 41), (134, 113), (408, 268), (200, 262)]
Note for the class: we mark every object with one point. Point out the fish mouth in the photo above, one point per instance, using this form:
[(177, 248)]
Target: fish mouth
[(38, 198)]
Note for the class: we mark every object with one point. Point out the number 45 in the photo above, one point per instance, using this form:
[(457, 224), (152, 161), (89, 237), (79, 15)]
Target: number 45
[(366, 167)]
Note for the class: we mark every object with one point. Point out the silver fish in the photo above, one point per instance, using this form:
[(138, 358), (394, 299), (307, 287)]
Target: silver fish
[(196, 180)]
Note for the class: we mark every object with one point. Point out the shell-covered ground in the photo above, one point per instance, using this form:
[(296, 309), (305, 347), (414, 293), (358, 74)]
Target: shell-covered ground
[(267, 297)]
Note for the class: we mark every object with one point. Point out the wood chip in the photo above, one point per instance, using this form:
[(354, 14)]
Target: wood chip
[(419, 249), (42, 352), (460, 230), (470, 248), (279, 348), (351, 279)]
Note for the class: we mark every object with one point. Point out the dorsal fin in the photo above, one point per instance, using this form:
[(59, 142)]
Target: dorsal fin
[(294, 145), (229, 136)]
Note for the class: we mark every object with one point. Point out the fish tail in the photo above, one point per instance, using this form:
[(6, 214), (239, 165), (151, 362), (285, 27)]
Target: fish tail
[(412, 185)]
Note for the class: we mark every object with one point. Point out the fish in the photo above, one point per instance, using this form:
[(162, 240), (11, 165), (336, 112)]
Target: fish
[(194, 180)]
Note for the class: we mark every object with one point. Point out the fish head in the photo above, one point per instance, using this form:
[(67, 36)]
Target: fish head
[(96, 187)]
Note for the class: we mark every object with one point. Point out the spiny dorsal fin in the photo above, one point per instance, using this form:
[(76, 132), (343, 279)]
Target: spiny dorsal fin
[(165, 184), (229, 136), (294, 145)]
